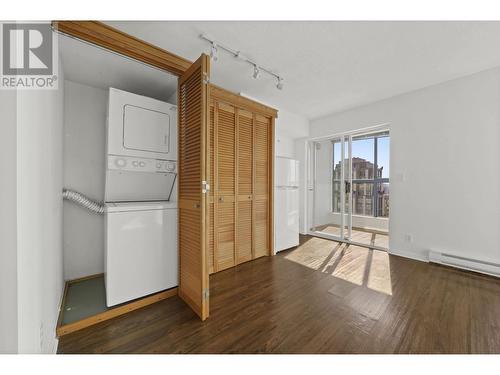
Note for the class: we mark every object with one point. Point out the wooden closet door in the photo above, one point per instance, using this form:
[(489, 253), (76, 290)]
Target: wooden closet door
[(225, 179), (245, 154), (193, 118), (262, 180)]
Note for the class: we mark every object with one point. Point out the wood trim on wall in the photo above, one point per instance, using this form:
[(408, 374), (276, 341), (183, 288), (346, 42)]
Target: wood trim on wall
[(62, 330), (239, 101), (108, 37)]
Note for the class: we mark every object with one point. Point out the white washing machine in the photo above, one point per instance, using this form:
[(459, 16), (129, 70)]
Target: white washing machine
[(141, 249), (140, 197)]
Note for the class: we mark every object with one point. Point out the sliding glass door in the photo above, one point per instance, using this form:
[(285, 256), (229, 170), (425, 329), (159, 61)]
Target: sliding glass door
[(350, 188), (331, 213)]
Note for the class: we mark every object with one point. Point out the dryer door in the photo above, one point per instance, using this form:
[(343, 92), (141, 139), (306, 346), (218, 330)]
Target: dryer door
[(146, 130)]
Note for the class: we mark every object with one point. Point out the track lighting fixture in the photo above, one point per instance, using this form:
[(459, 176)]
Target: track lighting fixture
[(257, 68), (213, 52), (279, 83), (256, 72)]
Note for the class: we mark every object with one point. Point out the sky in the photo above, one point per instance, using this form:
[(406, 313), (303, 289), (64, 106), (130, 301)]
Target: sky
[(363, 148)]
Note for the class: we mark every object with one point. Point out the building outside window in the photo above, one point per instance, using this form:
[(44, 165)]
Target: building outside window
[(370, 175)]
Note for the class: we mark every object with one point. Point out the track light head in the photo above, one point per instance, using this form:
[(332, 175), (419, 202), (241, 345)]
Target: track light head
[(256, 72), (214, 53), (279, 83)]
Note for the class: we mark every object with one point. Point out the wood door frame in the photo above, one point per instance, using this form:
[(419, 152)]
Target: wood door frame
[(238, 101), (107, 37)]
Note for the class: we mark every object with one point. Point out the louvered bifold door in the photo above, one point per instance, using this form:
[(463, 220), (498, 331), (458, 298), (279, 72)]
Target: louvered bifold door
[(193, 109), (211, 181), (245, 154), (262, 180), (225, 191)]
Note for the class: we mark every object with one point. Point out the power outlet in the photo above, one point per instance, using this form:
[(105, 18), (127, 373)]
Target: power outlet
[(408, 237)]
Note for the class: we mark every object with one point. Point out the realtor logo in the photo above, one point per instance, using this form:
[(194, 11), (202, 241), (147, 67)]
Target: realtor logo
[(29, 59)]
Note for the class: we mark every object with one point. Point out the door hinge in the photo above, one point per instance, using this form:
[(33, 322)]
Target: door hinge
[(205, 187), (206, 79), (206, 294)]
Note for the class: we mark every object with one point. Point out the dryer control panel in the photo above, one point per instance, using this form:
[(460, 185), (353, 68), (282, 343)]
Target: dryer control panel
[(128, 163)]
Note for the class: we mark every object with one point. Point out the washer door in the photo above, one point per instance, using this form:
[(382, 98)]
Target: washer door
[(146, 130)]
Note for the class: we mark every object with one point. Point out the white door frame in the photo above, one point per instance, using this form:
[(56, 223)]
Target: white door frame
[(311, 163)]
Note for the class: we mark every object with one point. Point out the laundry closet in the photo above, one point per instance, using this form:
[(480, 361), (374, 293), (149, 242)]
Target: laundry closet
[(120, 179), (167, 177)]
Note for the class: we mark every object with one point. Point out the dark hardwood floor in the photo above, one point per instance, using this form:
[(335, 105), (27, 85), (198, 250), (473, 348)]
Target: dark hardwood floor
[(322, 297)]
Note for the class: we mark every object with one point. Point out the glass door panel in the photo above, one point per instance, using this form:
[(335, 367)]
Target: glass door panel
[(347, 185), (336, 216), (370, 189), (331, 199), (350, 189), (325, 202)]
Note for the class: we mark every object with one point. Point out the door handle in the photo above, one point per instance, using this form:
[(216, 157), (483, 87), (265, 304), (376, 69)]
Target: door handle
[(221, 199)]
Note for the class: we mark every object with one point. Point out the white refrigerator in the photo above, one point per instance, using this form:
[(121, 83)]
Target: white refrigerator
[(286, 198)]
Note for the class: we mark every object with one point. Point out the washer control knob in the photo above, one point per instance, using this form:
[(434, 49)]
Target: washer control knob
[(170, 167), (142, 164), (135, 163), (120, 163)]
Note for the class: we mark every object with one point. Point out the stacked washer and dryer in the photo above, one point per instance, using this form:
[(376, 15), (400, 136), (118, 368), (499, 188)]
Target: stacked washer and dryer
[(141, 255)]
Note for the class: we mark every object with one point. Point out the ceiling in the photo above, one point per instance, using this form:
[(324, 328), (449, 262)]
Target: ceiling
[(332, 66), (93, 66)]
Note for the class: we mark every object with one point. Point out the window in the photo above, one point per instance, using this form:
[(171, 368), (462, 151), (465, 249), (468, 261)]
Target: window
[(370, 175)]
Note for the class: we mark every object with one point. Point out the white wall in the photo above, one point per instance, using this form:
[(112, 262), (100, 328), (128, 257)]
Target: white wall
[(85, 109), (8, 227), (39, 217), (444, 165), (172, 99), (324, 170)]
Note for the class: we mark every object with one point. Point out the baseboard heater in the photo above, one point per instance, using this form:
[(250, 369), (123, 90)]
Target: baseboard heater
[(476, 265)]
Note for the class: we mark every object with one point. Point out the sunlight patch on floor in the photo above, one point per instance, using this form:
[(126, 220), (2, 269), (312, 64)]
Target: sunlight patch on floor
[(358, 265), (352, 265), (379, 278), (313, 254)]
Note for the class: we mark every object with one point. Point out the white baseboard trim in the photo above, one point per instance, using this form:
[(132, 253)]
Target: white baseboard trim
[(457, 261), (415, 255)]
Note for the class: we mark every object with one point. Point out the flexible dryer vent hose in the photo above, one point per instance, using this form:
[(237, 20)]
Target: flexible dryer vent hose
[(83, 201)]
